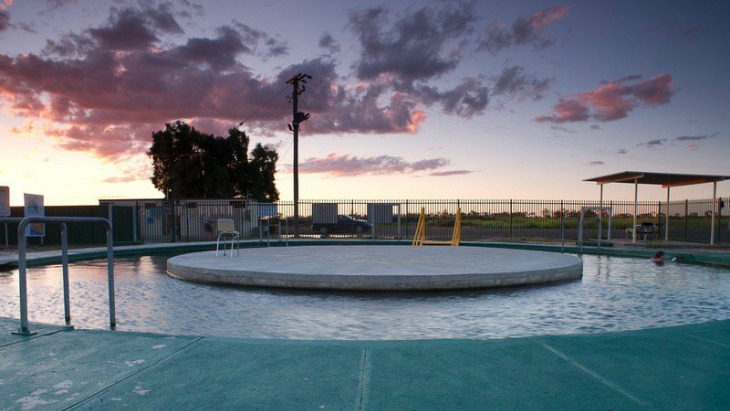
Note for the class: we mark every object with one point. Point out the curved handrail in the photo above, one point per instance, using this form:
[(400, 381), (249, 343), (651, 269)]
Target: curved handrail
[(22, 266)]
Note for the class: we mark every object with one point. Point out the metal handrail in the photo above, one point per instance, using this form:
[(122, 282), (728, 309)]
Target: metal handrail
[(22, 266)]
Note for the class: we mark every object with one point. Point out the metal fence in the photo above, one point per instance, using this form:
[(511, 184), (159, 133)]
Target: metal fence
[(195, 220), (78, 234)]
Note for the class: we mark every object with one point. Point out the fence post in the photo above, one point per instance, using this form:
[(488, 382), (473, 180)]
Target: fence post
[(174, 222), (510, 218), (686, 220)]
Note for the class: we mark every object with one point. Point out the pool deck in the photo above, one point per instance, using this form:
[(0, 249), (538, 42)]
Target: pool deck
[(667, 368)]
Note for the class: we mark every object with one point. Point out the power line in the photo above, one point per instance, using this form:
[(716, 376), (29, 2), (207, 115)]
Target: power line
[(263, 105)]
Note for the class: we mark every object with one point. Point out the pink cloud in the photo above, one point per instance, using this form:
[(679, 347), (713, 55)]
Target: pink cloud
[(348, 165), (543, 18), (106, 89), (524, 30), (612, 101)]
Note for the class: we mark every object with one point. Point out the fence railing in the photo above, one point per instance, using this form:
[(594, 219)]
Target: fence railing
[(512, 219)]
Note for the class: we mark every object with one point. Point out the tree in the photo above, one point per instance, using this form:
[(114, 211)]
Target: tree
[(190, 164)]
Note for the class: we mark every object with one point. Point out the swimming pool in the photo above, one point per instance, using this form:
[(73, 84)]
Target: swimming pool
[(614, 294)]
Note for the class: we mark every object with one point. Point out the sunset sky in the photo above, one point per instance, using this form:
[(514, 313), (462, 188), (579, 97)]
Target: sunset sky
[(409, 99)]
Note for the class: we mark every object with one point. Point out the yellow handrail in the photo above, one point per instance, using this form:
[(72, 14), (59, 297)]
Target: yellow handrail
[(419, 237)]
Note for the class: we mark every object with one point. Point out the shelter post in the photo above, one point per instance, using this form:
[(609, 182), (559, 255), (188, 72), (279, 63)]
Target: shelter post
[(636, 209), (714, 210), (666, 219)]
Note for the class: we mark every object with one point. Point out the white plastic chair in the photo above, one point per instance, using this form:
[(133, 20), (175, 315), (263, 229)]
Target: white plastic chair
[(227, 230)]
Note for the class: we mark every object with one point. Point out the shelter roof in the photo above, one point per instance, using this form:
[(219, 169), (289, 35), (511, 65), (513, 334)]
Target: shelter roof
[(663, 179)]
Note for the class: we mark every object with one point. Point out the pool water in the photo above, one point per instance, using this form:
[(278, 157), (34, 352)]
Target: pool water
[(614, 294)]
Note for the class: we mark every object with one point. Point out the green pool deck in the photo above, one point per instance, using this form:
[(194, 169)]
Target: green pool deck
[(676, 368)]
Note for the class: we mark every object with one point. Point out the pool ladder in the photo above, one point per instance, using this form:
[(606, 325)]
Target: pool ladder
[(22, 266)]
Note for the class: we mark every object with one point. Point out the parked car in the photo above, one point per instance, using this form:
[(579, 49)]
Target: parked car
[(345, 225)]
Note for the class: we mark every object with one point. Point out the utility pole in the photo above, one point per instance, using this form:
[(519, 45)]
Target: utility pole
[(297, 118)]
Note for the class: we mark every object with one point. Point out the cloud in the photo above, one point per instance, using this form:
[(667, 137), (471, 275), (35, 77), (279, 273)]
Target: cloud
[(416, 46), (696, 138), (653, 143), (106, 88), (5, 23), (327, 42), (252, 37), (4, 20), (622, 151), (596, 163), (612, 101), (450, 173), (514, 83), (467, 99), (524, 30), (347, 165)]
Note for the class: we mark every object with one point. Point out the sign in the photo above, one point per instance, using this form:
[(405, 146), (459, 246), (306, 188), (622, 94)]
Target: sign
[(34, 208), (324, 213), (4, 201)]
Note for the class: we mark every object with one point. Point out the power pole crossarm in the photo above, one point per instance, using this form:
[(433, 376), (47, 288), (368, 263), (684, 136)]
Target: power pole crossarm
[(297, 118)]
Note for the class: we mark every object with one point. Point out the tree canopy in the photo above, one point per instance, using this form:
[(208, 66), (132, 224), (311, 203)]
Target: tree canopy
[(191, 164)]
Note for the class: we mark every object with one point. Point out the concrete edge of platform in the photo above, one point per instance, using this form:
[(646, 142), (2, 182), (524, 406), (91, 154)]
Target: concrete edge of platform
[(204, 268), (53, 257)]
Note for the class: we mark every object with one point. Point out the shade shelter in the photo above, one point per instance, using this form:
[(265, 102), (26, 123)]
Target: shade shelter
[(667, 181)]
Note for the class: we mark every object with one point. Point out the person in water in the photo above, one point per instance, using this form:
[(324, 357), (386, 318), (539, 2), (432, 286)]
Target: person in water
[(658, 258)]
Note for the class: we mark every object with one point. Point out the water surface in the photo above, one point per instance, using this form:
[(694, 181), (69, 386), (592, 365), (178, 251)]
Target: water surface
[(614, 294)]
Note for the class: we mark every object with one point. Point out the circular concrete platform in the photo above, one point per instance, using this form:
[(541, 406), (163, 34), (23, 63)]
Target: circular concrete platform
[(377, 267)]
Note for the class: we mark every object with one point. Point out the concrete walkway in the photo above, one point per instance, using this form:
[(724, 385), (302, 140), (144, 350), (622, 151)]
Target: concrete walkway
[(669, 368)]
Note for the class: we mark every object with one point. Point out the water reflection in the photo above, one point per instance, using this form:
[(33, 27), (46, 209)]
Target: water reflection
[(614, 294)]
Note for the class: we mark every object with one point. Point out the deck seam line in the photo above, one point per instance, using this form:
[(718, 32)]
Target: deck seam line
[(595, 375), (148, 366), (363, 379), (32, 337)]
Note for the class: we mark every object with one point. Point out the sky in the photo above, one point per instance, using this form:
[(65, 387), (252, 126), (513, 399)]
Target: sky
[(408, 99)]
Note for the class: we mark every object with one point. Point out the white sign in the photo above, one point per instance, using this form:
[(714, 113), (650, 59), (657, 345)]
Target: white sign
[(34, 208), (4, 201)]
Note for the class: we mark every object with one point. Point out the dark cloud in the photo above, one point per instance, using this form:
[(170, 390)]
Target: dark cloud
[(127, 29), (327, 42), (622, 151), (596, 163), (515, 83), (416, 46), (347, 165), (524, 30), (631, 77), (4, 20), (612, 101), (595, 127), (467, 99), (5, 23), (654, 143), (252, 37), (450, 173), (696, 138)]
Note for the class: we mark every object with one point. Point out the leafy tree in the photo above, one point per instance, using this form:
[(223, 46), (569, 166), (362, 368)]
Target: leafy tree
[(191, 164)]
